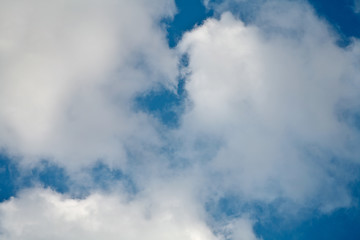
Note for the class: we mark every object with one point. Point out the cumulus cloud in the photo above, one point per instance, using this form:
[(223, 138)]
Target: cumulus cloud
[(69, 70), (44, 214), (274, 93)]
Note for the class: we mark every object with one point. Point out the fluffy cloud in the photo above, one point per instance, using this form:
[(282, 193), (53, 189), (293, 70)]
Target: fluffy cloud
[(43, 214), (272, 116), (274, 93), (69, 70)]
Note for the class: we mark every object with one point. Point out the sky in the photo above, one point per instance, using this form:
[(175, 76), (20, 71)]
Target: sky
[(180, 119)]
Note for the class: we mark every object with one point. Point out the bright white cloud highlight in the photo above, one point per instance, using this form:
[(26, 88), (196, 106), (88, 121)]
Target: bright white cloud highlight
[(43, 214)]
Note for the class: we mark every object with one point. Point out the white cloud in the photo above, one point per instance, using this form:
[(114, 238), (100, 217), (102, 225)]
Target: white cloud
[(43, 214), (263, 122), (271, 92), (243, 230), (68, 73)]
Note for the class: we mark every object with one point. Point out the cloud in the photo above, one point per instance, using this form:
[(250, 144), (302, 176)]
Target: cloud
[(69, 71), (271, 117), (274, 93), (44, 214)]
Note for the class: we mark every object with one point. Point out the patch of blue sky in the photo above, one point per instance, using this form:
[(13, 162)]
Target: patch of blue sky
[(272, 224), (340, 224), (49, 175), (46, 174), (245, 10), (105, 177), (9, 175), (308, 222), (341, 15), (164, 104), (189, 14)]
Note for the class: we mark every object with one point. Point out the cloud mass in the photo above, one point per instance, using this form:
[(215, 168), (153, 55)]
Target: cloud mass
[(273, 92), (268, 122), (69, 70)]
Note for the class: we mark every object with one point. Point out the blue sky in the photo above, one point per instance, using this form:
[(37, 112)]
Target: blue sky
[(183, 119)]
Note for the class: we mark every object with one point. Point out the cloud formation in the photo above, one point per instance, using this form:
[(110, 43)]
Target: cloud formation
[(69, 71), (44, 214), (274, 93), (271, 118)]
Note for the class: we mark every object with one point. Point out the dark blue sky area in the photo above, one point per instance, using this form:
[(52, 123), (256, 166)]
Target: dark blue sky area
[(340, 14), (190, 13)]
